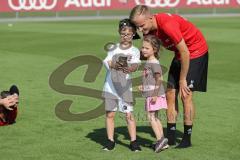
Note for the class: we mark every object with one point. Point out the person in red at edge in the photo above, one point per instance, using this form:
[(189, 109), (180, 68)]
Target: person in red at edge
[(9, 106), (188, 70)]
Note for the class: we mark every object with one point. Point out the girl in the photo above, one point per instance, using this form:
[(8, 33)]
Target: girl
[(153, 89), (121, 60)]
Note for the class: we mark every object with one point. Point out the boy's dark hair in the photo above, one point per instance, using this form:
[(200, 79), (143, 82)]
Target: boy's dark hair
[(5, 94), (127, 23)]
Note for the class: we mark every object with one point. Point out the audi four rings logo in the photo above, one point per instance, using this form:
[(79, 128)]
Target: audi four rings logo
[(32, 4), (158, 3)]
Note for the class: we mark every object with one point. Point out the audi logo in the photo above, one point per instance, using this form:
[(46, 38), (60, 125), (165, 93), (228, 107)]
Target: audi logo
[(32, 4), (158, 3)]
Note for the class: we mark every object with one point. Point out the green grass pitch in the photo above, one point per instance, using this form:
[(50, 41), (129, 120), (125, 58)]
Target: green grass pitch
[(31, 51)]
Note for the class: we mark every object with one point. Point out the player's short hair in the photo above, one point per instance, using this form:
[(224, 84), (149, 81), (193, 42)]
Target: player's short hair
[(139, 10), (155, 43)]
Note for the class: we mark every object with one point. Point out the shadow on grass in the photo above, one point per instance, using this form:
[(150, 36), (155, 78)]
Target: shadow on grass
[(100, 136)]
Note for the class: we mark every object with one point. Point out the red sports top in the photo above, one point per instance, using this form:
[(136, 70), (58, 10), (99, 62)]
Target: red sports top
[(172, 28)]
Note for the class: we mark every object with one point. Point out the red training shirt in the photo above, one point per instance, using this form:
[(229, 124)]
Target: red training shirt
[(172, 28)]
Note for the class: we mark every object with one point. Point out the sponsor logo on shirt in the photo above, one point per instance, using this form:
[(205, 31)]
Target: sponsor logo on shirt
[(169, 46)]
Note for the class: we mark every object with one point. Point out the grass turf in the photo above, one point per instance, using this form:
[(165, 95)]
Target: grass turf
[(30, 52)]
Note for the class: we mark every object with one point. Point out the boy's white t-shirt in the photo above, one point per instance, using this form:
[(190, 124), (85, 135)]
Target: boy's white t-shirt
[(132, 52)]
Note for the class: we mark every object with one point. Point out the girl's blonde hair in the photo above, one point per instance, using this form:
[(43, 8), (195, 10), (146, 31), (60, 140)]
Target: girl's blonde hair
[(155, 43)]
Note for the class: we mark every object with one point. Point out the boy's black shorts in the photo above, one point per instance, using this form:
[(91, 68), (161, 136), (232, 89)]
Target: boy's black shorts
[(196, 77)]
